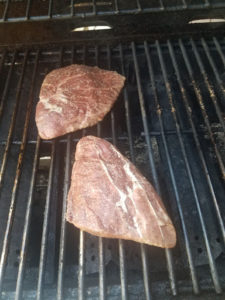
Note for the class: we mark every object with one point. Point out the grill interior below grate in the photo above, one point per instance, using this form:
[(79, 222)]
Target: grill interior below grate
[(169, 121)]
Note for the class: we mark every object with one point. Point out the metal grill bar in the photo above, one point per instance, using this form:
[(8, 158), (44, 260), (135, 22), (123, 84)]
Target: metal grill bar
[(218, 48), (46, 213), (184, 3), (6, 87), (202, 106), (6, 10), (28, 9), (143, 249), (121, 244), (20, 276), (102, 292), (94, 7), (45, 226), (96, 10), (12, 124), (214, 273), (186, 239), (152, 165), (62, 249), (2, 60), (50, 9), (6, 239), (196, 139), (161, 4), (20, 160), (81, 271), (127, 106), (209, 87), (116, 6), (138, 5), (215, 70), (72, 8)]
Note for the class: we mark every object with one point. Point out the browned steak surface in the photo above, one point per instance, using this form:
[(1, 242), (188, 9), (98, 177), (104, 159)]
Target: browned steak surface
[(109, 197), (75, 97)]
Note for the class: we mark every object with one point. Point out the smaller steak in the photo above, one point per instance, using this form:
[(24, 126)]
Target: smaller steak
[(109, 197), (75, 97)]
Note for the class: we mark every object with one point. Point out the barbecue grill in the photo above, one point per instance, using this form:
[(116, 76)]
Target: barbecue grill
[(169, 121)]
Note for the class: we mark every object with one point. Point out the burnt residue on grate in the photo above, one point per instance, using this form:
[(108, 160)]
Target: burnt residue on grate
[(169, 120)]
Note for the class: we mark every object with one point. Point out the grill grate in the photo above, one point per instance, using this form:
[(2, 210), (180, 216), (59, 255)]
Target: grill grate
[(21, 10), (169, 121)]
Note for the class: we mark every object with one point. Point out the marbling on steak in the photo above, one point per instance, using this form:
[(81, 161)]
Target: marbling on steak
[(109, 197), (75, 97)]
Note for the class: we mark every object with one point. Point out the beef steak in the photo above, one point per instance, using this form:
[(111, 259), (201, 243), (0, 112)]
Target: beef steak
[(108, 197), (75, 97)]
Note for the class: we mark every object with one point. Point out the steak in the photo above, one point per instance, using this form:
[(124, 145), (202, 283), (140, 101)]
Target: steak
[(108, 197), (75, 97)]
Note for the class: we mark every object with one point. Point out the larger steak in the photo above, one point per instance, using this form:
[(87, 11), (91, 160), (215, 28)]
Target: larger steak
[(75, 97), (108, 197)]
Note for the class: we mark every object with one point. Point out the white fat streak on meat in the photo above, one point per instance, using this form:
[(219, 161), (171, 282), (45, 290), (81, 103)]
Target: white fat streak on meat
[(130, 195), (123, 196), (49, 106), (136, 184)]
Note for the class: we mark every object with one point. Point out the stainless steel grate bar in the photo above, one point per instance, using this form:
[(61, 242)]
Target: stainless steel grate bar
[(186, 239), (6, 10), (2, 60), (50, 5), (213, 268), (116, 6), (202, 107), (96, 10), (196, 139), (41, 270), (102, 289), (72, 8), (9, 224), (121, 244), (20, 160), (138, 5), (7, 83), (94, 7), (23, 251), (213, 65), (28, 9), (62, 249), (81, 271), (209, 86), (12, 123), (127, 106), (219, 49), (151, 160)]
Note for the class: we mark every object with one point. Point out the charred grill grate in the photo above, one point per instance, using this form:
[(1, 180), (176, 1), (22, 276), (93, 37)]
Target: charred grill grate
[(22, 10), (169, 121)]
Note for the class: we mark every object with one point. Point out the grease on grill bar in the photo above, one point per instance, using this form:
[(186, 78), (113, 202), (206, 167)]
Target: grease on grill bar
[(21, 10), (169, 121)]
